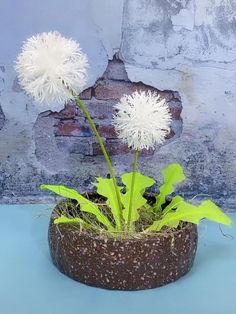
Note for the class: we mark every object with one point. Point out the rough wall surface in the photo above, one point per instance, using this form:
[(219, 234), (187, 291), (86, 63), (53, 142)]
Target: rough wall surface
[(184, 48)]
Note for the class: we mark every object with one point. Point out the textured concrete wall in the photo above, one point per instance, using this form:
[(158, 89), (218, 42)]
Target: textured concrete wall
[(184, 48)]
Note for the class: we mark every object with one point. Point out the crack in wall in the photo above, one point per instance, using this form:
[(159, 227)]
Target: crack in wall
[(2, 118)]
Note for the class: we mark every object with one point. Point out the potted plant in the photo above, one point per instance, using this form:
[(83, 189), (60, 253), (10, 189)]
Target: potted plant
[(118, 237)]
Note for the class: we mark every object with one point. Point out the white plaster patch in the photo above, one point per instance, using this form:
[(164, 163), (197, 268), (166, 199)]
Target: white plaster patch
[(109, 24), (155, 36), (184, 19)]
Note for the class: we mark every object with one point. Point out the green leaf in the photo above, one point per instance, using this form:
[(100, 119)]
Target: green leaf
[(105, 187), (191, 213), (214, 213), (85, 205), (76, 220), (64, 220), (141, 183), (172, 175), (173, 204)]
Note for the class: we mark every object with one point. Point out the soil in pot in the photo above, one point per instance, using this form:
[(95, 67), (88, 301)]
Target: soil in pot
[(132, 263)]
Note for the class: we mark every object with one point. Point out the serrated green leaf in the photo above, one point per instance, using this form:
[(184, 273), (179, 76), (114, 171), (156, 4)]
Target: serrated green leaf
[(85, 205), (214, 213), (105, 187), (141, 183), (172, 175), (191, 213), (173, 204)]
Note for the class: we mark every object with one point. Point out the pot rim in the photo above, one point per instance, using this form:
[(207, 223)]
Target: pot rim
[(152, 236)]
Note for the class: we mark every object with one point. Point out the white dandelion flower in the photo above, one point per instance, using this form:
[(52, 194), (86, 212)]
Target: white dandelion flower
[(142, 120), (48, 64)]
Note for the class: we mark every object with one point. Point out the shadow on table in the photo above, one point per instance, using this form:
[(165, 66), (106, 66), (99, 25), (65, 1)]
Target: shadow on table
[(213, 254)]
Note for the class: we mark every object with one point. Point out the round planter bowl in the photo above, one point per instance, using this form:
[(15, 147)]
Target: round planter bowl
[(130, 264)]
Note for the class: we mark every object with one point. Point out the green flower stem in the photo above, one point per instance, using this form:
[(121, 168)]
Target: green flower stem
[(82, 106), (134, 170)]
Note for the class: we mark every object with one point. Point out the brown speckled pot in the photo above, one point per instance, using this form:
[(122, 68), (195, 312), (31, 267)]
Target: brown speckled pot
[(130, 264)]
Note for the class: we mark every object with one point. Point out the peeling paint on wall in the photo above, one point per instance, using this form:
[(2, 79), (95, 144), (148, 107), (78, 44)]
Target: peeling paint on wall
[(186, 46), (67, 135), (196, 57)]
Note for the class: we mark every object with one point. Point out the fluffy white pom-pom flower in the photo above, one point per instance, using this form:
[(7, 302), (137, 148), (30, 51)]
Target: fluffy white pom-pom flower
[(142, 120), (48, 63)]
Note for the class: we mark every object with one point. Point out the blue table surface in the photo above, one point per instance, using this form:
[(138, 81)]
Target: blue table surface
[(30, 284)]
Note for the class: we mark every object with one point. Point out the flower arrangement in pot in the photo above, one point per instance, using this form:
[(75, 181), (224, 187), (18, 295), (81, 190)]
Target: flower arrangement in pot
[(118, 237)]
